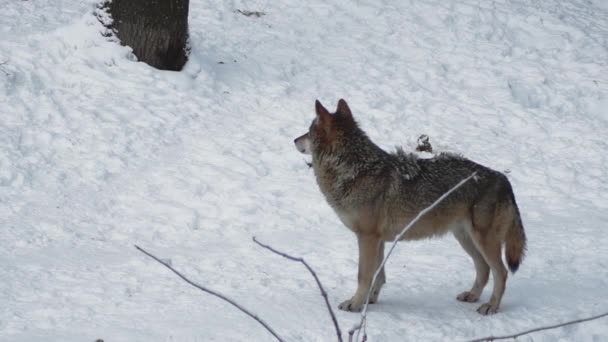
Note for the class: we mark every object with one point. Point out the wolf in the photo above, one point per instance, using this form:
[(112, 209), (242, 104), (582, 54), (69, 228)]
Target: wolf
[(376, 194)]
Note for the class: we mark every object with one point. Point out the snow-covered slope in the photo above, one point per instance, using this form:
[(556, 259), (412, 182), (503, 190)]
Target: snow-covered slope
[(99, 152)]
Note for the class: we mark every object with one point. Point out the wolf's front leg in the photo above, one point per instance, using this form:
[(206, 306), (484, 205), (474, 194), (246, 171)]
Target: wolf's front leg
[(381, 280), (369, 248)]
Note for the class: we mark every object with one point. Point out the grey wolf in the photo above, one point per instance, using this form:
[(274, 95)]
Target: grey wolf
[(376, 194)]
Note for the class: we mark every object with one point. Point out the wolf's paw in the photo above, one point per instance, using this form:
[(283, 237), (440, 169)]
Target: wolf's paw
[(487, 309), (468, 297), (351, 305)]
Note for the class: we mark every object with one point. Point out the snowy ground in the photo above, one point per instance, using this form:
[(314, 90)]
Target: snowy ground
[(98, 152)]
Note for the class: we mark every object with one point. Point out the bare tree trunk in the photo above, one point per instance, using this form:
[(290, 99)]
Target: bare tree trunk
[(156, 30)]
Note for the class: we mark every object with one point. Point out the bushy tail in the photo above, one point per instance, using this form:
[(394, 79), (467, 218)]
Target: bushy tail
[(515, 241)]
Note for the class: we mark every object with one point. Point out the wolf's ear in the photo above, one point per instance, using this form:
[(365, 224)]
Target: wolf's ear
[(323, 115), (343, 108)]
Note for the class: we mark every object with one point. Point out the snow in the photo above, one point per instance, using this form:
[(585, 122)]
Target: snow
[(99, 152)]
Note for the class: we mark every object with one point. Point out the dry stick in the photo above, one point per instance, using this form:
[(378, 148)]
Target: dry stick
[(493, 338), (323, 293), (362, 323), (252, 315)]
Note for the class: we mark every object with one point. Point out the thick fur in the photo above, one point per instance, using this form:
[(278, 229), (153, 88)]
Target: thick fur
[(376, 194)]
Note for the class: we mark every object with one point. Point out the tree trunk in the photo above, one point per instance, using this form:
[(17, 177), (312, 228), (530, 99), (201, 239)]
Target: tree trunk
[(156, 30)]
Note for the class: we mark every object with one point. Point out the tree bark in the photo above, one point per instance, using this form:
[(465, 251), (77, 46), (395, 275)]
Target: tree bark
[(156, 30)]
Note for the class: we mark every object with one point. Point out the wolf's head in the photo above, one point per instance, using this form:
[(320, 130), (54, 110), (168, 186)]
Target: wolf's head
[(327, 130)]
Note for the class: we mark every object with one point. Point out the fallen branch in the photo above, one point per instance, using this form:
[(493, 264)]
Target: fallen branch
[(219, 295), (494, 338), (323, 293), (362, 324)]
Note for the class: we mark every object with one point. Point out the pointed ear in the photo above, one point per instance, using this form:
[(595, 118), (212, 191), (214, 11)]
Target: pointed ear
[(321, 111), (343, 108), (323, 115)]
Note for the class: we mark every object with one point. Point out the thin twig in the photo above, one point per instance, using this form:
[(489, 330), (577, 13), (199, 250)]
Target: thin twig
[(362, 323), (246, 13), (252, 315), (4, 71), (323, 293), (494, 338)]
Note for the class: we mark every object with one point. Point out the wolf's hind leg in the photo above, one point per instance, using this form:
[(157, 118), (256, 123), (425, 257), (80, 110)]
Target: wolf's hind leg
[(381, 280), (369, 246), (490, 248), (481, 267)]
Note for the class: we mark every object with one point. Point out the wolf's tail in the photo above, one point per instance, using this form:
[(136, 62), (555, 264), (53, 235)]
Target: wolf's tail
[(515, 240)]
